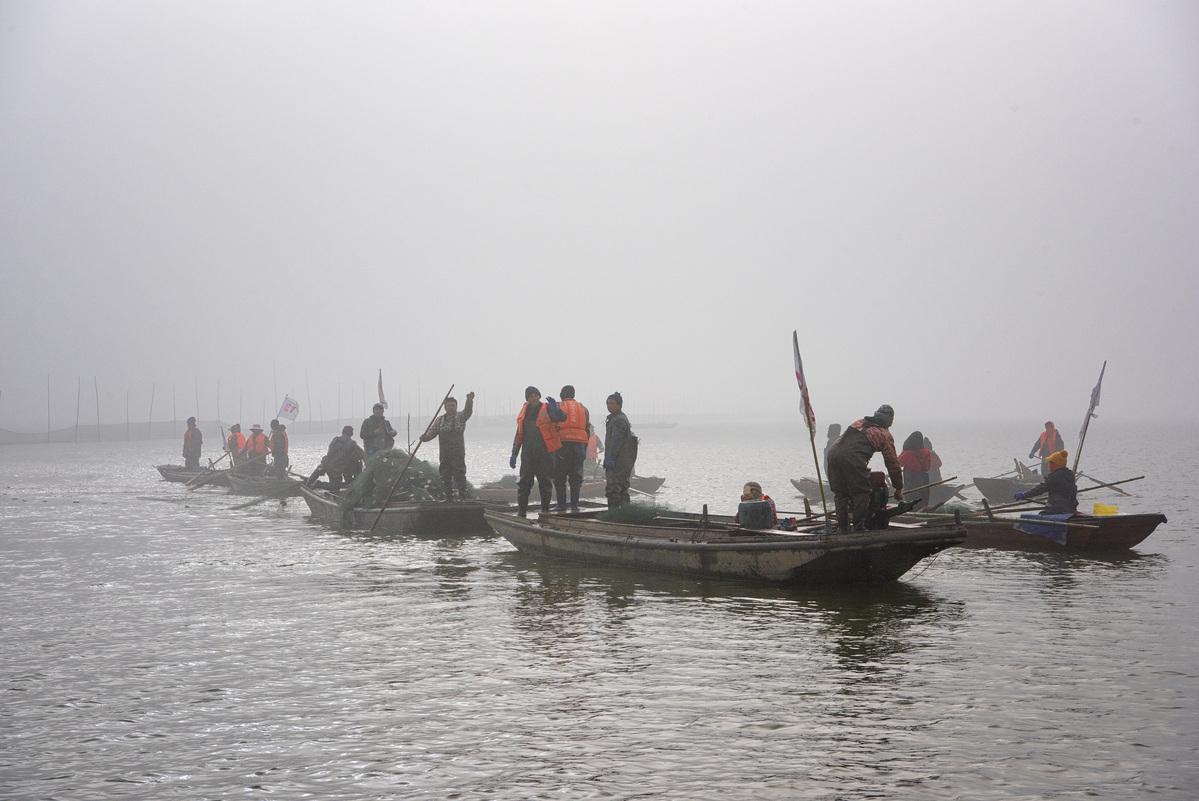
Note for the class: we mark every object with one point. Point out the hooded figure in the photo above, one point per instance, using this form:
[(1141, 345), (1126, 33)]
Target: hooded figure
[(916, 461), (849, 467), (192, 442)]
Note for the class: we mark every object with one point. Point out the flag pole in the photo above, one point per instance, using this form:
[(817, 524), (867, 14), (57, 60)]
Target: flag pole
[(1082, 436), (809, 418)]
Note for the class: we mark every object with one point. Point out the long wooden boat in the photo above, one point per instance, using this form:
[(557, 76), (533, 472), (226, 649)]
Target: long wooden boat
[(937, 496), (180, 474), (713, 546), (504, 491), (425, 519), (1083, 533), (264, 485)]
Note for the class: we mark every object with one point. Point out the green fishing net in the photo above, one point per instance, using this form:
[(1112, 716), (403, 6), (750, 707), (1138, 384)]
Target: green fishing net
[(420, 482), (634, 513)]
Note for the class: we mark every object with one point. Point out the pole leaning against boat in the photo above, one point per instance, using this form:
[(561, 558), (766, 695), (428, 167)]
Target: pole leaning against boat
[(411, 456)]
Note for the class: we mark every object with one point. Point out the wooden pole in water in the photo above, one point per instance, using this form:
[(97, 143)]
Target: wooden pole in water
[(150, 424), (240, 393), (308, 388), (174, 412), (126, 415), (47, 407), (197, 378), (218, 400), (96, 380), (78, 392)]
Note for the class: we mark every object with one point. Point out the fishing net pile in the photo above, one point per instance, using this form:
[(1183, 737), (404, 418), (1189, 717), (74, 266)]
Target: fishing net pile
[(641, 513), (420, 482)]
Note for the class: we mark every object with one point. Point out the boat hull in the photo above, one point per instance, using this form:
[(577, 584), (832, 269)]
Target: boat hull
[(183, 475), (1085, 534), (762, 556), (414, 519), (1002, 490)]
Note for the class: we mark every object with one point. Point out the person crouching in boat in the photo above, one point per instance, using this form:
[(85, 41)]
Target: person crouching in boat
[(751, 492), (849, 467), (1061, 485), (342, 463)]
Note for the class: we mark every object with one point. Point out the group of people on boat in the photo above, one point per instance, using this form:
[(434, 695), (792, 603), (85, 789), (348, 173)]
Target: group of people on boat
[(553, 441)]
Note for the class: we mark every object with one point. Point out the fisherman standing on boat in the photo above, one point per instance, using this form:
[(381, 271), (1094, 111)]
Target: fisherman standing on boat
[(255, 450), (235, 443), (568, 466), (192, 442), (834, 431), (536, 439), (621, 446), (849, 467), (917, 463), (279, 458), (449, 430), (1061, 486), (1048, 443), (377, 434), (343, 461)]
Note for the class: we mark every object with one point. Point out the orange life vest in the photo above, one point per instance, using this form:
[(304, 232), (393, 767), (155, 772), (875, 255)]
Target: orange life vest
[(1048, 442), (237, 441), (549, 431), (256, 444), (574, 427), (593, 446)]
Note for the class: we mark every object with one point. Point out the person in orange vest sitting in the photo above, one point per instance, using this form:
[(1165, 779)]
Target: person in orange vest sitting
[(573, 431), (1048, 443), (279, 458), (536, 439), (255, 450), (235, 443)]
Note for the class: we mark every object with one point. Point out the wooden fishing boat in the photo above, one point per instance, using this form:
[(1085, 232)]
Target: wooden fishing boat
[(713, 546), (180, 474), (264, 485), (937, 496), (1003, 490), (424, 519), (1083, 533), (504, 490)]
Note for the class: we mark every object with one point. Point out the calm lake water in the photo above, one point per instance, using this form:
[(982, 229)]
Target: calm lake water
[(159, 644)]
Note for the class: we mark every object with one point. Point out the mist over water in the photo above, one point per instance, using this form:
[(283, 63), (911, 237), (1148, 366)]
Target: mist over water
[(159, 644)]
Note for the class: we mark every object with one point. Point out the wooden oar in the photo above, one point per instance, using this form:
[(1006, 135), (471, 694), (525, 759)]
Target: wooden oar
[(411, 456), (926, 486), (1101, 484)]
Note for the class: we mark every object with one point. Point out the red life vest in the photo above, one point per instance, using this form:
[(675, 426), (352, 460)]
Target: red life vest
[(574, 427), (549, 432), (237, 441), (256, 444), (275, 441), (593, 446)]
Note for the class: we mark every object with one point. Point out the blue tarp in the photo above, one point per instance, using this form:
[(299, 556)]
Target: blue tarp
[(1057, 533)]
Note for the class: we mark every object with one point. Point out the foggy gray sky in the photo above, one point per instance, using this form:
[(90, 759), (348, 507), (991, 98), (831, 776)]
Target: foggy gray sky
[(963, 208)]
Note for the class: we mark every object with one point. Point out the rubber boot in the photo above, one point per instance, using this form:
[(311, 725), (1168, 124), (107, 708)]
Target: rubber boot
[(546, 497), (574, 497), (522, 504)]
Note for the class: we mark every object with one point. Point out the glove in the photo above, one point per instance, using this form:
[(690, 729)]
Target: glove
[(1020, 496), (551, 401), (609, 463), (551, 404), (1032, 454), (512, 461)]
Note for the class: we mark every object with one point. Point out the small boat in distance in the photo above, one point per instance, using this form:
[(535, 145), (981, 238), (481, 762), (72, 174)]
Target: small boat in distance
[(713, 546)]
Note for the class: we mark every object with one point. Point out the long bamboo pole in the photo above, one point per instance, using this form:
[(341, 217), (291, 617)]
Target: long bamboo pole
[(411, 456), (150, 424), (78, 392)]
